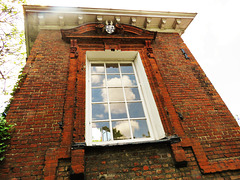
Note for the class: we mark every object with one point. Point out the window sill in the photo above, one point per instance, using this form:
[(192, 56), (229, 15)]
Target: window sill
[(169, 140)]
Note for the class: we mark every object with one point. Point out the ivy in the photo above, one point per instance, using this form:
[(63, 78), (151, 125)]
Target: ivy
[(22, 76), (11, 57), (5, 134), (6, 128)]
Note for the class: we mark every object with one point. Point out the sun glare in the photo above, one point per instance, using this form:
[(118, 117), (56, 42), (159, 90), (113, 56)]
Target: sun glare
[(69, 3)]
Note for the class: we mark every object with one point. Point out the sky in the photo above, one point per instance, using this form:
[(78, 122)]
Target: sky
[(213, 36)]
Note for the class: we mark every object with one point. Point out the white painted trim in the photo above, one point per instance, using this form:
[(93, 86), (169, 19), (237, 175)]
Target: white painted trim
[(108, 12), (153, 119), (150, 103), (88, 129)]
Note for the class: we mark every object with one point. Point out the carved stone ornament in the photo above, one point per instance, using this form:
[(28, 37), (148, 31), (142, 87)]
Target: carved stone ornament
[(100, 31), (110, 28)]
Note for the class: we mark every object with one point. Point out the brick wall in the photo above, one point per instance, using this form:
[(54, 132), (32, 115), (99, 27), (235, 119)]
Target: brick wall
[(54, 92), (144, 161), (38, 107), (204, 114)]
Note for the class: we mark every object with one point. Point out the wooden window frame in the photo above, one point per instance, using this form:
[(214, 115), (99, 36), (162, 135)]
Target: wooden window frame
[(151, 112)]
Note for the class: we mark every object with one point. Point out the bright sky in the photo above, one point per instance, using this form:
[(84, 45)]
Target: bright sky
[(213, 37)]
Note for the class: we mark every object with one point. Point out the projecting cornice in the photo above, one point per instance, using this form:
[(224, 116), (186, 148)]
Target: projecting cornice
[(56, 18)]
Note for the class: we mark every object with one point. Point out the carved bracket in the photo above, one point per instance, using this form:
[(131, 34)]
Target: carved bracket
[(149, 49), (73, 48)]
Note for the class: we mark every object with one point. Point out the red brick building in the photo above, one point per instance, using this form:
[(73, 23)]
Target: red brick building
[(116, 94)]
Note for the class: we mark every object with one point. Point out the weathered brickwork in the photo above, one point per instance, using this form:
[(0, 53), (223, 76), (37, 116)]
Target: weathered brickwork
[(146, 161), (64, 169), (38, 107), (49, 112), (204, 114)]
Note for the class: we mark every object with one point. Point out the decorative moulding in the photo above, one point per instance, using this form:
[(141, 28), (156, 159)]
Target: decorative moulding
[(56, 18)]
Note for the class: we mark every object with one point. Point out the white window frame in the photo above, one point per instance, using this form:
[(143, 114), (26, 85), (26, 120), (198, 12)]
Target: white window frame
[(153, 119)]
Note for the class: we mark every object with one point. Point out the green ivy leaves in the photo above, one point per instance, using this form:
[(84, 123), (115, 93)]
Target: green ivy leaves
[(5, 134)]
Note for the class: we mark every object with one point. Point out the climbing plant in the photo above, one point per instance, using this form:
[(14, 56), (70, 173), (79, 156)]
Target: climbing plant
[(6, 128), (12, 46), (5, 134)]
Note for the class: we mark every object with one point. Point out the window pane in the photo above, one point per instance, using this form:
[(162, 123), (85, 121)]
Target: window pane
[(114, 81), (98, 80), (115, 94), (140, 129), (99, 111), (99, 95), (135, 110), (97, 68), (132, 94), (121, 130), (112, 68), (126, 68), (129, 80), (101, 132), (118, 110)]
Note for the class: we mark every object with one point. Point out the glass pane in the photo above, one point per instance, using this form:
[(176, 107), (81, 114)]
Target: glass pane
[(140, 129), (135, 110), (129, 80), (99, 111), (121, 130), (97, 68), (114, 81), (132, 94), (126, 68), (112, 68), (115, 94), (118, 110), (98, 80), (99, 95), (101, 132)]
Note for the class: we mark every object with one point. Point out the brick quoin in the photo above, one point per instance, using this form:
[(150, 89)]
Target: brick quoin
[(49, 112)]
